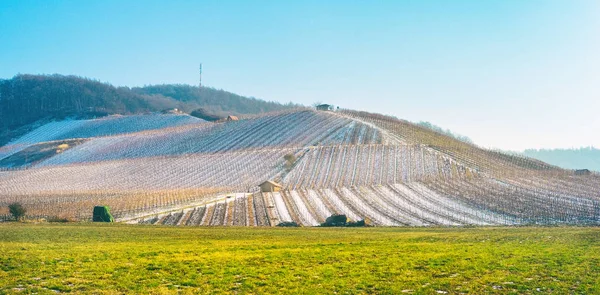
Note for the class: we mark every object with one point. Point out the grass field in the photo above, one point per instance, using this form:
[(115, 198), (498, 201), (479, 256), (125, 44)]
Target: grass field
[(115, 259)]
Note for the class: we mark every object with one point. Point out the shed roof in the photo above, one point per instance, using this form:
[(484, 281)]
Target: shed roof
[(272, 183)]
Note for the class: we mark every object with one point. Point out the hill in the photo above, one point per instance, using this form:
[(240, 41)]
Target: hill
[(186, 171), (27, 99)]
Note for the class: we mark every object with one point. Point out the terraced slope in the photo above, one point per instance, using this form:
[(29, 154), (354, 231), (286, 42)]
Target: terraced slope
[(281, 130), (238, 170), (400, 204), (469, 154), (367, 164), (390, 172), (79, 129)]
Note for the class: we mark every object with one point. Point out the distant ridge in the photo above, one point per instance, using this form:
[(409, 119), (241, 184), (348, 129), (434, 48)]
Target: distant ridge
[(25, 99), (582, 158)]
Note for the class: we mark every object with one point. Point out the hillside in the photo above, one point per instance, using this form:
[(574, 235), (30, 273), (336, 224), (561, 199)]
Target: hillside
[(26, 99), (73, 132), (175, 169)]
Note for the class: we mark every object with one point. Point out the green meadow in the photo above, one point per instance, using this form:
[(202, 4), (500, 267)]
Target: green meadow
[(117, 259)]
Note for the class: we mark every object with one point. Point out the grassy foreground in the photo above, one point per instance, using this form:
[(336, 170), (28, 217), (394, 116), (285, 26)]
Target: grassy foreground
[(116, 259)]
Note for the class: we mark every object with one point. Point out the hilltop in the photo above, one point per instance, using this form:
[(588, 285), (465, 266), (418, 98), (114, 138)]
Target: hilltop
[(29, 99)]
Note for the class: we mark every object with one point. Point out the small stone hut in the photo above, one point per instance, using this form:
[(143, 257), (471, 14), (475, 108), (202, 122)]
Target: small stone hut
[(270, 186)]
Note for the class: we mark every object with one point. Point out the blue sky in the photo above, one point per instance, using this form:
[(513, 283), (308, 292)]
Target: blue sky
[(510, 74)]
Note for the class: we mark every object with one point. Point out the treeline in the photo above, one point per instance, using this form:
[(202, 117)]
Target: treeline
[(212, 99), (581, 158), (445, 131), (25, 99)]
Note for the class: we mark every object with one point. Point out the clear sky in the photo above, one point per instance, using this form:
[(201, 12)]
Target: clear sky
[(510, 74)]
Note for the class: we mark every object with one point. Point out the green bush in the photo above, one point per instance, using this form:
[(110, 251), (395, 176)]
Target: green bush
[(359, 223), (288, 224), (58, 219), (342, 220), (17, 210), (336, 220)]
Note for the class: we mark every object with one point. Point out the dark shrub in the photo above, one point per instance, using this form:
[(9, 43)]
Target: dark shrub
[(359, 223), (336, 220), (205, 114), (290, 159), (288, 224), (17, 210), (59, 219)]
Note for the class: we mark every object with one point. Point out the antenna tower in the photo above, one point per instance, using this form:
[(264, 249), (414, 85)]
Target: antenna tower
[(200, 80)]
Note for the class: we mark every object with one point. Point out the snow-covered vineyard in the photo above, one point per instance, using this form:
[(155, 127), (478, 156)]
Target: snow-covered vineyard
[(381, 205), (295, 129), (112, 125), (410, 204), (178, 170), (361, 165), (240, 170)]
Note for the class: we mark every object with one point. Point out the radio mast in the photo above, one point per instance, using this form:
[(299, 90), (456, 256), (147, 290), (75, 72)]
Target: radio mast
[(200, 79)]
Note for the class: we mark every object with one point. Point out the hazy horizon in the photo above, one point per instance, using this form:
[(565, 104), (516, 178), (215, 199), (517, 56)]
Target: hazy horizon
[(512, 75)]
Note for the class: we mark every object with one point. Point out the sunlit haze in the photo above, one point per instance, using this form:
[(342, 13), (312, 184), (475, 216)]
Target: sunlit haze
[(508, 74)]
